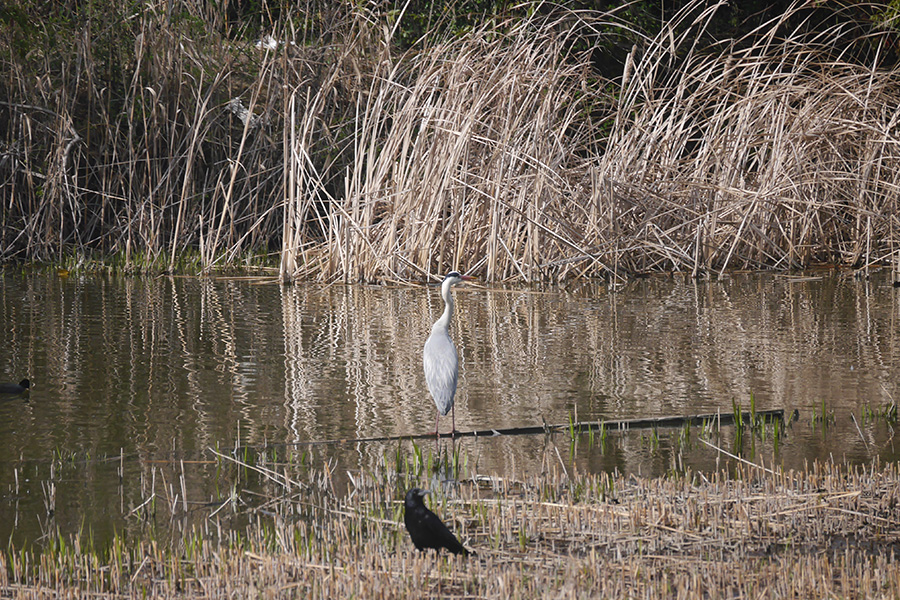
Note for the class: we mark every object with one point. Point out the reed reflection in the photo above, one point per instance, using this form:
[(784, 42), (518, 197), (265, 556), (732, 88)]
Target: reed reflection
[(159, 371)]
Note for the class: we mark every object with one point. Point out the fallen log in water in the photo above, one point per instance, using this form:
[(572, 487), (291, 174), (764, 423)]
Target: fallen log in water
[(719, 419)]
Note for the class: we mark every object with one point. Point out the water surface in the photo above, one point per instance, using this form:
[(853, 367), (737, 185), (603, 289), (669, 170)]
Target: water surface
[(136, 379)]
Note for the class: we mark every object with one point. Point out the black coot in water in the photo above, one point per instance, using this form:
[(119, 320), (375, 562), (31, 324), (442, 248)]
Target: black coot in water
[(15, 388), (425, 528)]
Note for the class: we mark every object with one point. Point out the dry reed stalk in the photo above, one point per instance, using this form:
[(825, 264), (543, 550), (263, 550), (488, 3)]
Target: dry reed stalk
[(766, 153), (456, 151), (500, 151), (827, 530), (142, 164), (761, 153)]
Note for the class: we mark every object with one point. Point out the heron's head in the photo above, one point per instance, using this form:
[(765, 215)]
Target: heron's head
[(414, 497), (453, 277)]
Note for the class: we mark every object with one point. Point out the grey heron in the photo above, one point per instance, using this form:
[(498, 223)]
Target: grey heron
[(439, 357)]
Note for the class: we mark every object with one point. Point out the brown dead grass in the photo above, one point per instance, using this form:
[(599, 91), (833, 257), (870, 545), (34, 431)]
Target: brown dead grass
[(829, 531), (501, 152), (484, 154)]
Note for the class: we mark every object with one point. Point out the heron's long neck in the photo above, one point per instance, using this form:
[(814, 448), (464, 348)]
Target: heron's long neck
[(444, 321)]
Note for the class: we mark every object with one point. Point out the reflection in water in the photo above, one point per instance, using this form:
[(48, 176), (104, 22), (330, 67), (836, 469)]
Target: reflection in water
[(135, 378)]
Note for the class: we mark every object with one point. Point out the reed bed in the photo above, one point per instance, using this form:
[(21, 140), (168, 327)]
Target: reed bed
[(501, 150), (775, 150), (461, 158), (826, 531)]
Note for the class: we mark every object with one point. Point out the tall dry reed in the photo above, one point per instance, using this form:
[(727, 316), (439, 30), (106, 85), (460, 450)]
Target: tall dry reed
[(776, 150), (144, 134), (501, 151), (462, 158)]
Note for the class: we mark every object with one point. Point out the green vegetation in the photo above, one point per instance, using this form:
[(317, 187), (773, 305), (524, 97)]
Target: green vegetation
[(517, 141), (886, 413), (827, 530)]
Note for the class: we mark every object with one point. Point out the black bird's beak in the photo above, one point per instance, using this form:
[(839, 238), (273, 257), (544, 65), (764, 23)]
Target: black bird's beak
[(424, 493)]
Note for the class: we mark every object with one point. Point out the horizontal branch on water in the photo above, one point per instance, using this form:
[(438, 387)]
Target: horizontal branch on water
[(719, 419)]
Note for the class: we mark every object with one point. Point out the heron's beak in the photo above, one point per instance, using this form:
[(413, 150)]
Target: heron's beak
[(467, 277)]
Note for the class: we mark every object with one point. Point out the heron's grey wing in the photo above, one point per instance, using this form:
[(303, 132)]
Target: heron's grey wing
[(441, 370)]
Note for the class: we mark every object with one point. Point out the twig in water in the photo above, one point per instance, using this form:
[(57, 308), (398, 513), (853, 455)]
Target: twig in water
[(274, 476), (859, 431), (143, 504), (563, 464), (738, 458)]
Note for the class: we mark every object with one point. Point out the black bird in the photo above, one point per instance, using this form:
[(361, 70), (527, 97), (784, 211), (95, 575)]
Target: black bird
[(425, 528), (15, 388)]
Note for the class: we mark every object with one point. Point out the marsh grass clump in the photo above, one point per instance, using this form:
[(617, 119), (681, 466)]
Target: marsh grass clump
[(827, 530), (342, 147), (754, 153), (774, 150), (144, 131)]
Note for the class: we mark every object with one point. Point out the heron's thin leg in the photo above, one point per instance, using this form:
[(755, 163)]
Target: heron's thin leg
[(453, 412), (436, 421)]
